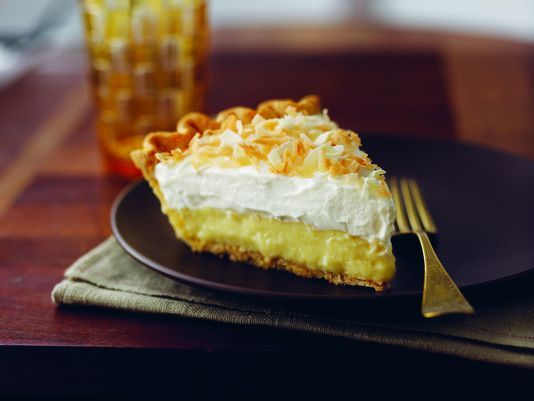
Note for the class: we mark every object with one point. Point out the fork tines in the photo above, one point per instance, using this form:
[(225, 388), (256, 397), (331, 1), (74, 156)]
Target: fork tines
[(412, 212)]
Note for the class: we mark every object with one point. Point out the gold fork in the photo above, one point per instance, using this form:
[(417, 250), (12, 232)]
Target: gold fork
[(440, 294)]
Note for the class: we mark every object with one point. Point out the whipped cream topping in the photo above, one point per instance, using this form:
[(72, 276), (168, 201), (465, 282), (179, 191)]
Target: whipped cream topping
[(350, 203)]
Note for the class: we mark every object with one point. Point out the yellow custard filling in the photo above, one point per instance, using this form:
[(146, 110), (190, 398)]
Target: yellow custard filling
[(326, 250)]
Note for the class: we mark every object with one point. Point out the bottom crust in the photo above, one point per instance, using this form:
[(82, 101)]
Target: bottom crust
[(239, 255)]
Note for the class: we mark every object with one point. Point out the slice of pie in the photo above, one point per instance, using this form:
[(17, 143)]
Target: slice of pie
[(281, 187)]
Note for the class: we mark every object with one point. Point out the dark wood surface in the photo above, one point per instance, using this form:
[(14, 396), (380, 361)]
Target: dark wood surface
[(55, 200)]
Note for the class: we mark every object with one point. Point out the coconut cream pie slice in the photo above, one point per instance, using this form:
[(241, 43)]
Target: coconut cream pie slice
[(281, 187)]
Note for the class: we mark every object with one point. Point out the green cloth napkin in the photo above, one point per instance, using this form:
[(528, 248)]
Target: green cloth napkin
[(502, 331)]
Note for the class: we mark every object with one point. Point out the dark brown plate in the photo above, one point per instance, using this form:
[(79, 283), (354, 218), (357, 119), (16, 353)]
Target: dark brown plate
[(482, 201)]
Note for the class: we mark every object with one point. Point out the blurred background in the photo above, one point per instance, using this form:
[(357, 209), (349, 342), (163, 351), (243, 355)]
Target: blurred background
[(385, 60), (58, 22)]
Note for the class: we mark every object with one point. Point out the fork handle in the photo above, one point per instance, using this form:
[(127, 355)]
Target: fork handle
[(440, 295)]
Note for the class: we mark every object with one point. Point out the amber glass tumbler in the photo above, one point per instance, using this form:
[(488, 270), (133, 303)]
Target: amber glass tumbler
[(147, 68)]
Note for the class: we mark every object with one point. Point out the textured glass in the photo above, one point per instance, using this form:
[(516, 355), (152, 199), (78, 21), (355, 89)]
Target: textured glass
[(147, 63)]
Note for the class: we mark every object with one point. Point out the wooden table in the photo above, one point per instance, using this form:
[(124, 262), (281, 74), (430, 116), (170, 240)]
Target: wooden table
[(55, 200)]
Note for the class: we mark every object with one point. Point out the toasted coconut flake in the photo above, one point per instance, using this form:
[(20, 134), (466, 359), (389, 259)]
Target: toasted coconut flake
[(285, 136)]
